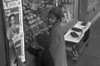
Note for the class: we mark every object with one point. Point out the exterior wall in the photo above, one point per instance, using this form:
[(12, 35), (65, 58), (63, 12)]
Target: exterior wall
[(83, 5), (2, 44)]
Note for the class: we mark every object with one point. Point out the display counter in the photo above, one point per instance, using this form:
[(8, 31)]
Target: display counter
[(76, 39)]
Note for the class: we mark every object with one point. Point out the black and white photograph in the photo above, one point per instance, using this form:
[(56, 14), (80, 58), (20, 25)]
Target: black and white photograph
[(49, 33)]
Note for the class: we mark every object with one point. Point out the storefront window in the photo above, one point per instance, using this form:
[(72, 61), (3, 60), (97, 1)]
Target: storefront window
[(69, 6)]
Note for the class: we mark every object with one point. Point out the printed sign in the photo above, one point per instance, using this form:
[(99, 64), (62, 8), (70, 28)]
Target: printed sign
[(14, 26)]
